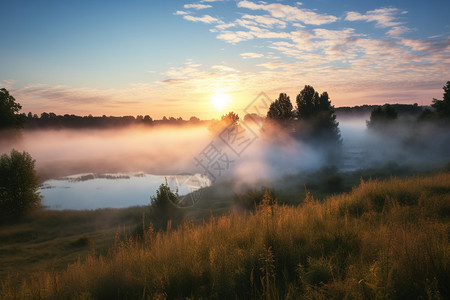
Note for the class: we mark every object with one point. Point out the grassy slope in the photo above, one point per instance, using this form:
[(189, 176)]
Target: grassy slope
[(385, 239), (46, 240)]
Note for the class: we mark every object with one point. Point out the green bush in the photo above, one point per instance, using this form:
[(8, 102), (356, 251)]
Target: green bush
[(164, 208), (18, 184)]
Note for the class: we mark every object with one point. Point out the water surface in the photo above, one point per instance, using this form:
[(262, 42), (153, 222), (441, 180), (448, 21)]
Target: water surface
[(115, 190)]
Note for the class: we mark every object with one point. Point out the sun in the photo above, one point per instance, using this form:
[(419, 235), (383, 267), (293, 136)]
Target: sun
[(220, 100)]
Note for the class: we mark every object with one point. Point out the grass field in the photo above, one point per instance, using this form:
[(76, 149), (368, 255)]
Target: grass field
[(49, 240), (384, 239)]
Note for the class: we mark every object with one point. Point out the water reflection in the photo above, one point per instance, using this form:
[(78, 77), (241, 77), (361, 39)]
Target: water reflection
[(115, 190)]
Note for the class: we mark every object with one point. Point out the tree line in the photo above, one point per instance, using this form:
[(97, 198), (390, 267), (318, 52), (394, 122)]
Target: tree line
[(10, 118), (438, 112), (51, 120)]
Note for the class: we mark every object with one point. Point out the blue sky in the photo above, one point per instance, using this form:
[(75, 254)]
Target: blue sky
[(171, 57)]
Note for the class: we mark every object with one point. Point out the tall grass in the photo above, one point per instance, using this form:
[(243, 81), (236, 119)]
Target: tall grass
[(385, 239)]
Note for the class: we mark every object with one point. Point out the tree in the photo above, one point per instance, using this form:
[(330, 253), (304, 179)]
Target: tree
[(280, 109), (148, 119), (164, 206), (230, 118), (442, 107), (18, 184), (9, 111), (318, 112), (382, 115), (307, 102), (194, 119)]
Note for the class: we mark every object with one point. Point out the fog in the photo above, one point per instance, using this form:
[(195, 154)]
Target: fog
[(159, 151), (257, 157)]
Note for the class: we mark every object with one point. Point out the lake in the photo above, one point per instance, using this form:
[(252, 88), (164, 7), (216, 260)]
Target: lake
[(114, 190)]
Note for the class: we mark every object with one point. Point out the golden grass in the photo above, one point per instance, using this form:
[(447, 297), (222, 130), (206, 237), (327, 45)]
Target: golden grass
[(385, 239)]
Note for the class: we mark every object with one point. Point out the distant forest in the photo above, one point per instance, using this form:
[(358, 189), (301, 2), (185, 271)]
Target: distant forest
[(401, 109), (51, 120)]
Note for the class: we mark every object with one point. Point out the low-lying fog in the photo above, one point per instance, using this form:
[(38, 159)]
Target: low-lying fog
[(167, 151)]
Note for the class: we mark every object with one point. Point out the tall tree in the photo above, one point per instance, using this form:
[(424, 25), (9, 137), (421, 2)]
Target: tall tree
[(9, 111), (319, 114), (307, 103), (280, 109), (442, 107), (18, 184)]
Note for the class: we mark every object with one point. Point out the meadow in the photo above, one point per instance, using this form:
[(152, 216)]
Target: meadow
[(385, 239)]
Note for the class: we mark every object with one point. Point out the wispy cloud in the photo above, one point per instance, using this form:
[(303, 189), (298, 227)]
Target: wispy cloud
[(180, 13), (225, 69), (297, 32), (204, 19), (234, 37), (59, 98), (272, 65), (7, 84), (225, 26), (290, 13), (398, 31), (383, 17), (265, 21), (291, 45), (429, 47), (197, 6), (251, 55)]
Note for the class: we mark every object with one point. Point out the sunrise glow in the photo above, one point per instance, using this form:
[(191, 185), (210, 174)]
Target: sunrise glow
[(220, 101), (168, 58)]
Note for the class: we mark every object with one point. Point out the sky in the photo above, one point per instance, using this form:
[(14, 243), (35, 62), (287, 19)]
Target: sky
[(205, 58)]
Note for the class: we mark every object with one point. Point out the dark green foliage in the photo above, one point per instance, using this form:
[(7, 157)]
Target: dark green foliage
[(280, 109), (382, 115), (318, 115), (164, 207), (413, 110), (427, 115), (18, 184), (442, 107), (9, 111), (310, 104), (307, 100), (51, 120)]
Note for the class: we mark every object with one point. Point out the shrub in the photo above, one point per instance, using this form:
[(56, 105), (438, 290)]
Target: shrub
[(18, 184)]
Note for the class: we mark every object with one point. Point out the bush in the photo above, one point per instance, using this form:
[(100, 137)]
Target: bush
[(252, 198), (164, 207), (18, 184)]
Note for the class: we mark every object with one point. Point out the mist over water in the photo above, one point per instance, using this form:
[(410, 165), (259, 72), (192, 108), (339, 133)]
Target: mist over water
[(158, 152)]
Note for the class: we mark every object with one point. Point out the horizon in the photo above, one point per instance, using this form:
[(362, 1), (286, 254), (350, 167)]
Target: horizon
[(217, 118), (206, 58)]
